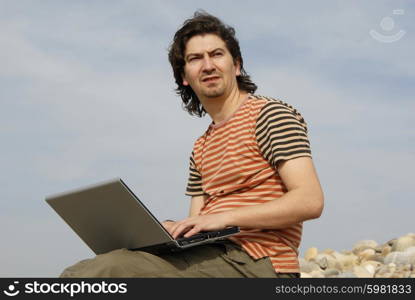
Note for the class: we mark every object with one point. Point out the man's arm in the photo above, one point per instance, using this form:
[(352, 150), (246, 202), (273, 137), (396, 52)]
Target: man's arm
[(303, 201), (196, 205)]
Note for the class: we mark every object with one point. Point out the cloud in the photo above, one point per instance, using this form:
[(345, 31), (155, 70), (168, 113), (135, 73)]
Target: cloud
[(87, 95)]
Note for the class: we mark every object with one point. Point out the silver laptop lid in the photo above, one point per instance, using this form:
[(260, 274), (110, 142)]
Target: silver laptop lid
[(108, 216)]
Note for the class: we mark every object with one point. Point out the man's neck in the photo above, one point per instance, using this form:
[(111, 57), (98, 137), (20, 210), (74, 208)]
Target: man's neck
[(220, 109)]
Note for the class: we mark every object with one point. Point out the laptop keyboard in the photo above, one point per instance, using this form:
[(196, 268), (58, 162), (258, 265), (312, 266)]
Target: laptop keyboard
[(199, 237)]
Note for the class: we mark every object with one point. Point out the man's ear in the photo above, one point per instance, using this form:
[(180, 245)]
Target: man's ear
[(238, 67), (185, 82)]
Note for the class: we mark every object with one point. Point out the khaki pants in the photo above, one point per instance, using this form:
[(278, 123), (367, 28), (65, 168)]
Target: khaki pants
[(219, 260)]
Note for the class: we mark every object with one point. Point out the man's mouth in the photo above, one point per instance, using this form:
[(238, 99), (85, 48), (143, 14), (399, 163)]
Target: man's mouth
[(210, 78)]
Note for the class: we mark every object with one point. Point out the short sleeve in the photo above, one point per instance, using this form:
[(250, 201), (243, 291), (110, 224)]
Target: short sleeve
[(281, 133), (194, 184)]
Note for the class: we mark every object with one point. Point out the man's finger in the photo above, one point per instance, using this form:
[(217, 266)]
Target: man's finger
[(174, 227), (169, 225), (179, 230), (193, 231)]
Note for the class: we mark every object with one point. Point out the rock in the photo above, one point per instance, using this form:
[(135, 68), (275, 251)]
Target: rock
[(402, 243), (393, 271), (346, 261), (362, 272), (323, 263), (317, 274), (411, 235), (367, 254), (379, 258), (305, 275), (405, 270), (338, 258), (363, 245), (331, 272), (370, 269), (308, 266), (383, 272), (392, 268), (326, 261), (311, 253), (328, 251), (372, 265), (391, 242), (399, 274), (410, 250), (346, 275), (386, 249), (398, 258)]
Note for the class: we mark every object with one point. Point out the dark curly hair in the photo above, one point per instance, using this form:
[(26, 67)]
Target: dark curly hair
[(203, 23)]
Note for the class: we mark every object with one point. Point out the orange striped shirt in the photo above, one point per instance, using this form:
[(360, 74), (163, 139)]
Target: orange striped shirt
[(235, 163)]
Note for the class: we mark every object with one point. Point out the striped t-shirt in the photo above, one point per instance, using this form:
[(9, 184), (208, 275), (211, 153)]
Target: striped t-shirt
[(235, 163)]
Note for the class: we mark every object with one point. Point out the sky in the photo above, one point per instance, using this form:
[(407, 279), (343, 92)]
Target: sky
[(87, 95)]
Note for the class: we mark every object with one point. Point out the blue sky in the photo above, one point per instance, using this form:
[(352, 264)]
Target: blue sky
[(87, 94)]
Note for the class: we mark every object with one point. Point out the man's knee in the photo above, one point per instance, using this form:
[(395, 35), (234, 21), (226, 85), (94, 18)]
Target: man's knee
[(115, 257), (111, 264), (117, 263)]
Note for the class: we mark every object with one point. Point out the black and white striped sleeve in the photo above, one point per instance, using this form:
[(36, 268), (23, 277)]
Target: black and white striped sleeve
[(281, 133), (194, 184)]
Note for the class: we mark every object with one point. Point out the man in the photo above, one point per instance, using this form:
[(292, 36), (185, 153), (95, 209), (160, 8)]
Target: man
[(252, 168)]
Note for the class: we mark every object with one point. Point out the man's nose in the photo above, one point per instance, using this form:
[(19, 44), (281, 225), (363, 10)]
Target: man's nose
[(208, 65)]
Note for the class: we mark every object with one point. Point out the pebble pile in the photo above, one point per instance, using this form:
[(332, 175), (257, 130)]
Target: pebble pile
[(368, 259)]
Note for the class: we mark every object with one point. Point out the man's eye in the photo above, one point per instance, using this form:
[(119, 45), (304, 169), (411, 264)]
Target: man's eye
[(218, 54)]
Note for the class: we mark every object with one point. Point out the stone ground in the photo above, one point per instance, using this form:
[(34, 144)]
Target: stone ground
[(367, 259)]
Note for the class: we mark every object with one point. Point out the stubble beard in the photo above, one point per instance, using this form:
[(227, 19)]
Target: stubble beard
[(214, 92)]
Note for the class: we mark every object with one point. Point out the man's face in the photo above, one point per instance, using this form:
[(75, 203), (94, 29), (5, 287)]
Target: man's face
[(209, 67)]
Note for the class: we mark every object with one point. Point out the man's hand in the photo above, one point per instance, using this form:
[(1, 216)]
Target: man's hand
[(168, 224), (193, 225)]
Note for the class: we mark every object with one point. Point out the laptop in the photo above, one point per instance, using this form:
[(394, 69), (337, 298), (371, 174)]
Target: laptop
[(109, 216)]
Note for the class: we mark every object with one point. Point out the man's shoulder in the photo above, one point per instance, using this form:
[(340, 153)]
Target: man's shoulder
[(271, 102), (275, 107), (201, 138)]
